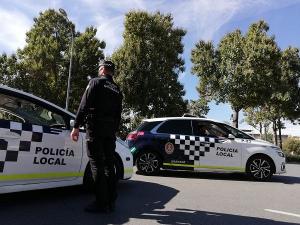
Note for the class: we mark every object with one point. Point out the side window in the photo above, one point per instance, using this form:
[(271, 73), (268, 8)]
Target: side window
[(176, 127), (204, 128), (7, 115), (30, 112), (237, 133), (148, 126)]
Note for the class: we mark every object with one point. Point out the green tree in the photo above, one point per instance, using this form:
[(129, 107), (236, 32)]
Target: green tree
[(148, 64), (205, 65), (233, 86), (8, 69), (238, 69), (283, 101), (46, 56), (198, 107), (87, 52), (257, 118)]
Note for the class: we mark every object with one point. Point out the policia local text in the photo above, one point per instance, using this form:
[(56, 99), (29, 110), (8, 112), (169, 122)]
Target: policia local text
[(52, 152)]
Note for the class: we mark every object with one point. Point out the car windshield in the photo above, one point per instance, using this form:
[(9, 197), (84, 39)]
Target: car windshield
[(237, 133)]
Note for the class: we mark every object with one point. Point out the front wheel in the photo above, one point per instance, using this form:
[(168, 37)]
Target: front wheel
[(260, 168), (148, 163)]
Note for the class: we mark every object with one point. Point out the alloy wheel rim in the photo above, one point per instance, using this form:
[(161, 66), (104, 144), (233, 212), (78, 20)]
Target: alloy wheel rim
[(148, 162), (260, 168)]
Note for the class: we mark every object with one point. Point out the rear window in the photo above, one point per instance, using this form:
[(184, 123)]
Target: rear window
[(148, 126), (176, 127)]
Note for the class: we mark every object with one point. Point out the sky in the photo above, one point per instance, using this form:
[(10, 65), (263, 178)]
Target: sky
[(202, 19)]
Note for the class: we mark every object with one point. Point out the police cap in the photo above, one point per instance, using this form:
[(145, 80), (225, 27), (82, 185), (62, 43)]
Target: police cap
[(107, 63)]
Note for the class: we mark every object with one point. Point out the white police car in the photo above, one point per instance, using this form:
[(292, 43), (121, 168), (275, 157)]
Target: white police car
[(197, 144), (35, 147)]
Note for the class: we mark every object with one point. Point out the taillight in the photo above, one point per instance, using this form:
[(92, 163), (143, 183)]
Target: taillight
[(134, 135)]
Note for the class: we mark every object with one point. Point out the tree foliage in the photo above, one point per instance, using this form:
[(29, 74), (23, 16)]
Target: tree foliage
[(148, 64), (240, 70), (42, 65), (198, 107), (8, 69)]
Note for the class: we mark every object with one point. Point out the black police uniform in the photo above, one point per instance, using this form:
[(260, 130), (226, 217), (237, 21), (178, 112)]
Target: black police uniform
[(100, 109)]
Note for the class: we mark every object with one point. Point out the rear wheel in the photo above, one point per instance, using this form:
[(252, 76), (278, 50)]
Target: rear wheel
[(260, 168), (148, 163)]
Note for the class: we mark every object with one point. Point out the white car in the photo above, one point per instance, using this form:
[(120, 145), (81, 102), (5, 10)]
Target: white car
[(36, 151), (200, 144)]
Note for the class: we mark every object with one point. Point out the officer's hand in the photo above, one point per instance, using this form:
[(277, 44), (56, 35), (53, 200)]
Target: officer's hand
[(74, 134)]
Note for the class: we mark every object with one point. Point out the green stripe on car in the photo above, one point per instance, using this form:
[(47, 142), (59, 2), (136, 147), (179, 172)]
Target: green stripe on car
[(206, 166), (40, 175)]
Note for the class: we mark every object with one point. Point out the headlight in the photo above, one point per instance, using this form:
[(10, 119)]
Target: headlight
[(280, 154)]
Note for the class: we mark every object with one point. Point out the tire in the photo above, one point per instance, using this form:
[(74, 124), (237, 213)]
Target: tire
[(260, 168), (148, 163)]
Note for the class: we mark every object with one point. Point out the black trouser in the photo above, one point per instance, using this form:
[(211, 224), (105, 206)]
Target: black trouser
[(100, 151)]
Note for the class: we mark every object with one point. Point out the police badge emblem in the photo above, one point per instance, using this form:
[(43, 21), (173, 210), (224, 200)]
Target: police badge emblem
[(169, 148)]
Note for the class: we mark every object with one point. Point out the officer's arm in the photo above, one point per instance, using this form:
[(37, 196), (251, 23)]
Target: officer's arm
[(119, 113), (85, 104)]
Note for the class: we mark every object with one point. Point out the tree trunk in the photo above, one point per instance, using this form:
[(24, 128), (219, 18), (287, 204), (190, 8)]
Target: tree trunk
[(235, 118), (275, 133), (279, 133), (260, 131), (266, 133)]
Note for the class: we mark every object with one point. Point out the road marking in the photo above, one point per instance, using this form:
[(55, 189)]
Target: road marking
[(281, 212)]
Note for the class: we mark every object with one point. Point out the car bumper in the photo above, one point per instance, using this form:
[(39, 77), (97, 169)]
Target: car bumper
[(128, 167), (281, 166)]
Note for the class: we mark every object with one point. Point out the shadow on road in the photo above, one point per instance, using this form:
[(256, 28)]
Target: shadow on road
[(65, 205), (194, 217), (138, 200), (225, 176)]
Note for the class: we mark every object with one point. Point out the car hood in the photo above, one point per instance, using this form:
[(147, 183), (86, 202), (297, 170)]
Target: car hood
[(263, 142)]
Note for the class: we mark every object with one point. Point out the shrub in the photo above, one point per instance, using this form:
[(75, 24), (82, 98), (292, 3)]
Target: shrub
[(292, 158), (292, 146)]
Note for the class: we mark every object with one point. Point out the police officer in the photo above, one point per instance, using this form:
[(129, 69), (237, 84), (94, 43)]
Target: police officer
[(100, 109)]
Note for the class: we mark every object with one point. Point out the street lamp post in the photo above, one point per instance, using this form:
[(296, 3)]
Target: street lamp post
[(63, 12)]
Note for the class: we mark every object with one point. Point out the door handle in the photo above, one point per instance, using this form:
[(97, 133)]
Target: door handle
[(222, 140)]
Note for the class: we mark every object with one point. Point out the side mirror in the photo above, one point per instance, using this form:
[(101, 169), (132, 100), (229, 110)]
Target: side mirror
[(72, 123), (231, 137)]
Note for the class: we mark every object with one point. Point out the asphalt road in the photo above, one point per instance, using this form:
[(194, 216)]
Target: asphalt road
[(171, 198)]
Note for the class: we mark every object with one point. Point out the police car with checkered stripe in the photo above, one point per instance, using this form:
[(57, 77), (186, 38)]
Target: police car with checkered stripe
[(199, 144), (35, 147)]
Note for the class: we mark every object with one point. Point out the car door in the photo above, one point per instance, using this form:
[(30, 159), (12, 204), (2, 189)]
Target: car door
[(216, 150), (176, 139), (33, 142)]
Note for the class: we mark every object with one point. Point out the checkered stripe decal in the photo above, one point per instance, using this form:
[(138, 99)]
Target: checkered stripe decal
[(194, 146), (25, 134)]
